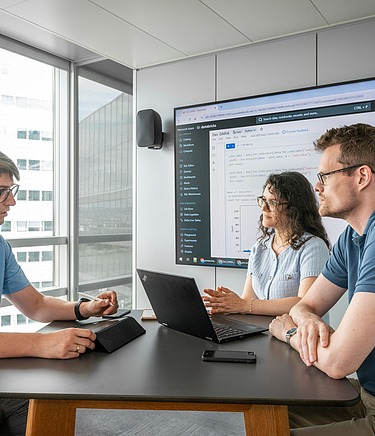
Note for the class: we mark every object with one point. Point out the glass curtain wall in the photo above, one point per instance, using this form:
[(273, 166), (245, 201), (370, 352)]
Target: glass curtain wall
[(34, 133), (105, 189)]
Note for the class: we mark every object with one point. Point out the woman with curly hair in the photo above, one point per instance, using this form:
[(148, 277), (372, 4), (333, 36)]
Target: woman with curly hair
[(287, 257)]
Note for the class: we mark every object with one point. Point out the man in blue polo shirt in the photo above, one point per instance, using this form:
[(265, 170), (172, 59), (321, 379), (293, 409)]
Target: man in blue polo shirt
[(346, 190), (64, 344)]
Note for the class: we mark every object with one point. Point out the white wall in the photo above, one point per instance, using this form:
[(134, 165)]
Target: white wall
[(343, 53)]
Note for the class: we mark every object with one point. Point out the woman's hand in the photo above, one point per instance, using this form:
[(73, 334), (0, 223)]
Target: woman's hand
[(224, 300)]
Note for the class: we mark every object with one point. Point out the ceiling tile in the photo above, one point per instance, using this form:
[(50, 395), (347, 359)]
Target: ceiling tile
[(264, 19), (338, 11), (188, 26), (86, 24)]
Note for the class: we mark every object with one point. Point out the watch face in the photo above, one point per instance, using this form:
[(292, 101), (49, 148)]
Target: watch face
[(291, 331)]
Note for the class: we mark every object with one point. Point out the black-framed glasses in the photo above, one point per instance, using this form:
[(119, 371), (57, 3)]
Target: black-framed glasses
[(322, 176), (270, 204), (4, 193)]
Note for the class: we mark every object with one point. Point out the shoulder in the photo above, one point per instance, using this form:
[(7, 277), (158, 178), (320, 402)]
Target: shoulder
[(314, 242)]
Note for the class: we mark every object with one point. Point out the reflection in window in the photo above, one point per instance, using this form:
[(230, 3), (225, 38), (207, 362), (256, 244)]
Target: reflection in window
[(105, 180)]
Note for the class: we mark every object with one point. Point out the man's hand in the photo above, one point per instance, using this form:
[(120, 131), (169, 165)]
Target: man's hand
[(312, 331), (106, 306), (280, 325), (223, 300), (64, 344)]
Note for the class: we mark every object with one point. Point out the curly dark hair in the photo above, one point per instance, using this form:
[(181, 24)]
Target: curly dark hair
[(302, 213)]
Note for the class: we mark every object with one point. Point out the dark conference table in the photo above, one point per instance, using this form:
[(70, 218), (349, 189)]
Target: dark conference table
[(161, 370)]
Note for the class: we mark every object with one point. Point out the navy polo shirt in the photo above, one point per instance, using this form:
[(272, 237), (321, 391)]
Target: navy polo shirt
[(352, 266)]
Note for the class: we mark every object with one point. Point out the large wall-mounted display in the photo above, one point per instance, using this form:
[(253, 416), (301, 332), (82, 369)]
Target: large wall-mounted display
[(225, 150)]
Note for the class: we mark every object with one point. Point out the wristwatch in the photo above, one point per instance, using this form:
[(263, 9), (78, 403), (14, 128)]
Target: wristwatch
[(291, 332), (77, 311)]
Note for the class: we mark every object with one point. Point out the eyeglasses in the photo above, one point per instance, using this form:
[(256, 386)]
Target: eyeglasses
[(4, 193), (270, 204), (323, 176)]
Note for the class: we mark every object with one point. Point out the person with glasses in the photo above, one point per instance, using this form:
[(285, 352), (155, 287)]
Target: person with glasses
[(288, 256), (346, 190), (14, 286)]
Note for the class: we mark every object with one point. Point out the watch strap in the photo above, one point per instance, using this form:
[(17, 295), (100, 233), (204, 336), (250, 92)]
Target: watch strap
[(77, 312), (291, 332)]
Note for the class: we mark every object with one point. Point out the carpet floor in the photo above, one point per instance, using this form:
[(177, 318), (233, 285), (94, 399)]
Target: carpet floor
[(157, 423)]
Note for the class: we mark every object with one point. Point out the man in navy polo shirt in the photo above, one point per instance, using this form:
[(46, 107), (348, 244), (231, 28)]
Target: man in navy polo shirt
[(346, 190)]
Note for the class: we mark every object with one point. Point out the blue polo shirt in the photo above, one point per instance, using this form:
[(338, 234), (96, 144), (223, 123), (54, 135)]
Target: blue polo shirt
[(352, 266), (12, 278), (280, 276)]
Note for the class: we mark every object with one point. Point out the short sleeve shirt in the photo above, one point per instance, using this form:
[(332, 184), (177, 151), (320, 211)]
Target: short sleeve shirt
[(352, 266), (12, 278), (280, 276)]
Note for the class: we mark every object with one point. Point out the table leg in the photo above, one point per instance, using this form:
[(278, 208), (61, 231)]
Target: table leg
[(51, 417), (263, 420)]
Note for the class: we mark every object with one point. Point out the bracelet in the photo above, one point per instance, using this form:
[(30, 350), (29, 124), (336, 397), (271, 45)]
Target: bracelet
[(77, 312), (251, 304)]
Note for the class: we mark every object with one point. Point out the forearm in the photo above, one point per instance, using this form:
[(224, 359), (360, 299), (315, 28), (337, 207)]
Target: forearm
[(52, 309), (272, 307), (19, 344)]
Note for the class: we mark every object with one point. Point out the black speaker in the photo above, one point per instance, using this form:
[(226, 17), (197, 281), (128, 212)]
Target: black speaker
[(149, 129)]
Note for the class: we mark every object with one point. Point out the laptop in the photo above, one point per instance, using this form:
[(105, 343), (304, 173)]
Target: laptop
[(178, 304)]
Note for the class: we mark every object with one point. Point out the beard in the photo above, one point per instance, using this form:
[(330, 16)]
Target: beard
[(325, 210)]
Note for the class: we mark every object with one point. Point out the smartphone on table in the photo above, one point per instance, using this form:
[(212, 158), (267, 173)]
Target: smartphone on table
[(229, 356)]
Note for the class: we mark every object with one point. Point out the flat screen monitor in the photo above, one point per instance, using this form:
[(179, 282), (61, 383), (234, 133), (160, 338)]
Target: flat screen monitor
[(225, 150)]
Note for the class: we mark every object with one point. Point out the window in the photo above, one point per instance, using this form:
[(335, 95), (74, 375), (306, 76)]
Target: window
[(21, 164), (21, 196), (21, 319), (21, 226), (35, 135), (34, 256), (7, 226), (34, 195), (47, 256), (47, 195), (34, 165), (5, 320), (21, 256), (105, 178), (47, 226), (22, 134), (33, 226)]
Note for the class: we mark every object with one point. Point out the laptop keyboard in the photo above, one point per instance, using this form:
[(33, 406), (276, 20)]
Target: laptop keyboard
[(224, 331)]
